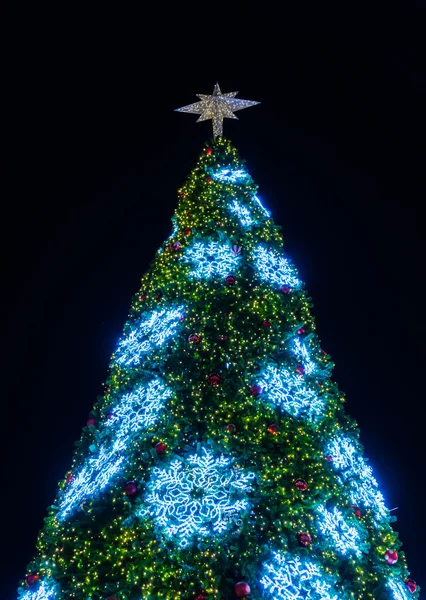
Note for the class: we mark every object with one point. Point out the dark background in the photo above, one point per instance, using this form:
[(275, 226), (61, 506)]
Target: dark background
[(95, 155)]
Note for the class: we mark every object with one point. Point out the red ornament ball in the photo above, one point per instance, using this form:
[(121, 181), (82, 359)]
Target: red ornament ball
[(267, 324), (208, 151), (231, 428), (194, 338), (324, 353), (143, 297), (255, 390), (411, 585), (186, 232), (285, 289), (329, 457), (301, 330), (176, 246), (214, 379), (222, 338), (160, 448), (242, 589), (300, 369), (31, 579), (69, 478), (357, 511), (304, 539), (130, 488), (273, 428), (301, 485), (230, 280), (391, 557), (236, 249), (209, 180), (90, 421)]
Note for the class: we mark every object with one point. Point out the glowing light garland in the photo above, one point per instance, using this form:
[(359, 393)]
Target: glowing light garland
[(153, 330), (302, 353), (354, 470), (274, 269), (43, 592), (399, 591), (289, 392), (210, 259), (136, 411), (267, 213), (198, 498), (231, 175), (346, 538), (296, 578), (243, 213)]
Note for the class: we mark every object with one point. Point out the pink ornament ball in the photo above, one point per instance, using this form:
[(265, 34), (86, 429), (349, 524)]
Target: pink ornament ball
[(242, 589), (255, 390), (130, 488), (160, 448), (411, 585), (391, 557)]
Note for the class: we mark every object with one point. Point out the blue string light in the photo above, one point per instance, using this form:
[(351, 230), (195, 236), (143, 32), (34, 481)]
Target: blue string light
[(242, 212), (153, 330), (43, 592), (208, 259), (231, 175), (294, 578), (289, 392), (346, 538), (267, 213), (196, 498), (275, 269), (302, 353), (399, 591), (136, 411), (359, 476)]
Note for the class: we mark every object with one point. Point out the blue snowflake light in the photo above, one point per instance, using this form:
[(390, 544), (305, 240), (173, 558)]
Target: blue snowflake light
[(208, 259), (43, 592), (345, 537), (289, 392), (354, 470), (135, 411), (231, 175), (399, 591), (242, 212), (295, 578), (274, 269), (152, 331), (302, 353), (197, 498)]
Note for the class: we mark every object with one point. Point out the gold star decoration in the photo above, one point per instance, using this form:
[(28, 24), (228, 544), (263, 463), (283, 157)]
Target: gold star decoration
[(217, 107)]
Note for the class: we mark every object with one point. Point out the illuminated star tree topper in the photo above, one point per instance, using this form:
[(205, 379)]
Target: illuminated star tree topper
[(217, 107)]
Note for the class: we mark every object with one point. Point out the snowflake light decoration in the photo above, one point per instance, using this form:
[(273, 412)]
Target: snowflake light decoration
[(399, 592), (242, 212), (274, 269), (231, 175), (345, 537), (196, 499), (43, 592), (295, 578), (354, 470), (135, 411), (152, 331), (302, 353), (210, 259), (289, 392)]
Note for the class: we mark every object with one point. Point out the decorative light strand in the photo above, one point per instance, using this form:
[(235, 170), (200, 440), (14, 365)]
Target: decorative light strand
[(302, 353), (242, 212), (43, 592), (210, 259), (231, 175), (346, 538), (398, 590), (274, 269)]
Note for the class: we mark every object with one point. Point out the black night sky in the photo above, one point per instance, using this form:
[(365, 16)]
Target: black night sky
[(94, 155)]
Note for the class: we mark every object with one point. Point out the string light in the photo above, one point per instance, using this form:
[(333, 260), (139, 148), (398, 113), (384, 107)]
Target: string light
[(293, 578), (274, 269), (43, 592), (211, 259), (345, 537), (242, 212), (399, 591), (196, 498), (302, 353), (267, 213), (231, 175)]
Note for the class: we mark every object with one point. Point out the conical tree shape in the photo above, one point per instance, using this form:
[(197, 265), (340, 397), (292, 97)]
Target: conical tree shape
[(220, 462)]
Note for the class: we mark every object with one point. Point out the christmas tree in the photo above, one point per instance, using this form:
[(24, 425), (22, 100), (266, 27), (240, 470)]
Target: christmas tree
[(219, 463)]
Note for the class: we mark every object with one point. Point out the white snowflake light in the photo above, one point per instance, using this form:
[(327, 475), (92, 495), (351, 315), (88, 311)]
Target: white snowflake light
[(231, 175), (289, 392), (295, 579), (196, 498), (43, 592), (242, 212), (345, 537), (211, 259), (135, 411), (152, 331), (302, 353), (274, 269), (399, 592), (354, 470)]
